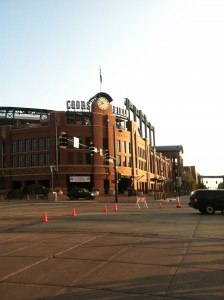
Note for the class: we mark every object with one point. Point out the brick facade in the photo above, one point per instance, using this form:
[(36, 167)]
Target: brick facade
[(28, 149)]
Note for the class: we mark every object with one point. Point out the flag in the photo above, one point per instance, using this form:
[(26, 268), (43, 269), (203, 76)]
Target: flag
[(100, 76)]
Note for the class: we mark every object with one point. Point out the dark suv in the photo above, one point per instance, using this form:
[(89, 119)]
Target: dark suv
[(207, 201), (77, 193)]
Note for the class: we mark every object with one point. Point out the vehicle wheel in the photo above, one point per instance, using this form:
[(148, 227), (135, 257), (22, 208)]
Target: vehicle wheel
[(210, 209)]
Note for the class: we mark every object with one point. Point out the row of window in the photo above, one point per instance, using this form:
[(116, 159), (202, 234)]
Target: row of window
[(31, 160), (73, 158), (19, 146), (123, 146), (141, 152), (27, 145), (78, 158), (40, 144)]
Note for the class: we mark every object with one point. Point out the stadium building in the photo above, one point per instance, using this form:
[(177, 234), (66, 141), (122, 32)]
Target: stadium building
[(92, 144)]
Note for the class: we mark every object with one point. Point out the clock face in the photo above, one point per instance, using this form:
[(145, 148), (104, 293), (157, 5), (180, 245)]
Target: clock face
[(103, 103)]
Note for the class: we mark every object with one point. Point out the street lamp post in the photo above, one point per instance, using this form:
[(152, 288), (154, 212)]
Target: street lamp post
[(52, 167), (115, 165), (178, 171), (116, 183), (110, 159)]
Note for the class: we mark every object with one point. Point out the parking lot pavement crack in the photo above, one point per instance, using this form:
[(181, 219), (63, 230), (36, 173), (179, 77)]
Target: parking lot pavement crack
[(45, 259), (182, 257), (80, 244), (24, 269), (101, 265)]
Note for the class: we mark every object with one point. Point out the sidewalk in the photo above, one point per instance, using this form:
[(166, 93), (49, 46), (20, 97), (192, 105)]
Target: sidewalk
[(99, 199), (131, 199)]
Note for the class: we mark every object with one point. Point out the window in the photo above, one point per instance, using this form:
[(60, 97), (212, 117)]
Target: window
[(118, 160), (33, 145), (152, 168), (47, 143), (40, 159), (33, 160), (105, 143), (27, 145), (79, 119), (47, 159), (70, 157), (88, 159), (124, 161), (125, 147), (14, 148), (27, 160), (88, 141), (79, 158), (20, 146), (40, 144), (129, 147), (20, 161), (14, 164), (118, 145), (80, 142)]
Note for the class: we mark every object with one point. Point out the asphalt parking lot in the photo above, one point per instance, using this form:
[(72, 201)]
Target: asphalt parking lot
[(91, 250)]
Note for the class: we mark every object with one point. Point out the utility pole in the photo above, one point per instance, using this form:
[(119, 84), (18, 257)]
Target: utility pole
[(115, 165), (52, 168)]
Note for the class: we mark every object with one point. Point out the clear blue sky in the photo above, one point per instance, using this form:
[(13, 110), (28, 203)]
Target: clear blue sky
[(166, 56)]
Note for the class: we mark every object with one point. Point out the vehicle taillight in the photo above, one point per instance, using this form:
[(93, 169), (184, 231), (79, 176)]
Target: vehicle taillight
[(195, 200)]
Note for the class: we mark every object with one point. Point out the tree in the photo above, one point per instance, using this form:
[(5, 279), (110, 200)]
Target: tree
[(220, 186), (188, 183), (201, 185)]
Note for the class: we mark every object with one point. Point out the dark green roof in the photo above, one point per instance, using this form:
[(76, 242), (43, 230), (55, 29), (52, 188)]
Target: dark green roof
[(171, 148)]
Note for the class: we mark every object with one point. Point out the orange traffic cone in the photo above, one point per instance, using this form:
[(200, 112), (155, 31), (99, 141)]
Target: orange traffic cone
[(105, 209), (45, 217), (74, 213), (160, 205), (178, 203), (115, 207)]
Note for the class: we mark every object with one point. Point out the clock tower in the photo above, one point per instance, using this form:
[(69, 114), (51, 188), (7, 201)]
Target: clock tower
[(102, 135), (101, 103)]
